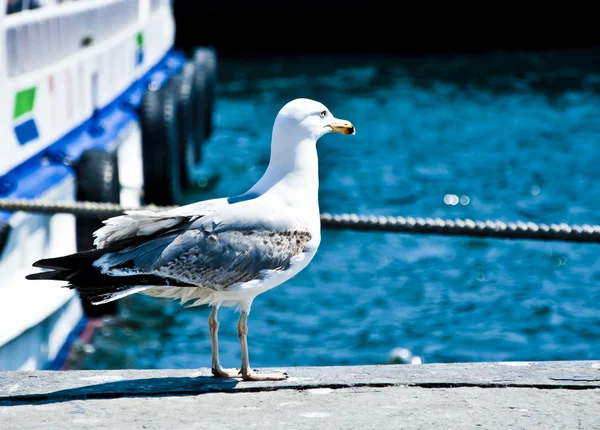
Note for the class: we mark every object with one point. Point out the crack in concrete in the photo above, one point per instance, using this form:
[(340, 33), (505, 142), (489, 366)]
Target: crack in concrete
[(575, 380), (63, 397)]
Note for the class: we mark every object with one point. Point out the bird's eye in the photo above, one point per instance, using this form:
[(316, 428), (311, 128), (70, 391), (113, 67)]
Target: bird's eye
[(323, 114)]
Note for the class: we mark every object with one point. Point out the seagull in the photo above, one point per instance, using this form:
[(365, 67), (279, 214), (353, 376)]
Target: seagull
[(218, 252)]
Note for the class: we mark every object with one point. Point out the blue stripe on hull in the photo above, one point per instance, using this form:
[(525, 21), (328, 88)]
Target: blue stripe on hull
[(36, 176), (63, 354)]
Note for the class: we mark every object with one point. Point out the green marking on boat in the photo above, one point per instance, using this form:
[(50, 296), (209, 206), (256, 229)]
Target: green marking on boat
[(140, 39), (24, 102)]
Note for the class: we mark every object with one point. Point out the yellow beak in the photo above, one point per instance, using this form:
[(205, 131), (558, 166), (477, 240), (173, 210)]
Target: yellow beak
[(342, 126)]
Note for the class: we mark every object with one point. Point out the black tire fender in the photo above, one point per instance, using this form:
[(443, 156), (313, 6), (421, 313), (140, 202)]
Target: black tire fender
[(159, 124), (97, 180), (184, 84), (205, 62), (4, 232)]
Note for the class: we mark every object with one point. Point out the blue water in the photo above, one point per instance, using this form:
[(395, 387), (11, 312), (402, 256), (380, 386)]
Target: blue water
[(512, 136)]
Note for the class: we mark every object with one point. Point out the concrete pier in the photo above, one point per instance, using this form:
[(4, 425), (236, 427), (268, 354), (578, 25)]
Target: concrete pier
[(548, 395)]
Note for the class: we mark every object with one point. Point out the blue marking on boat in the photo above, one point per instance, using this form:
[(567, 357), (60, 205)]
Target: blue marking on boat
[(26, 131), (63, 354), (36, 175)]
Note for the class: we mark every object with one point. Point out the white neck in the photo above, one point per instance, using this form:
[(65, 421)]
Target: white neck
[(288, 168)]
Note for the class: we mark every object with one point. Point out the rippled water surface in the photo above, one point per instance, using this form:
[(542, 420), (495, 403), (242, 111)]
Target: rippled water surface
[(512, 136)]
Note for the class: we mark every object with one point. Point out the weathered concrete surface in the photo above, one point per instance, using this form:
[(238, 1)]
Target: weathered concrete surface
[(42, 385), (478, 395), (324, 408)]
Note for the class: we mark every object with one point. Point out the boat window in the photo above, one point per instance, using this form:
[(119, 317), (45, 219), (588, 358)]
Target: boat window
[(14, 6)]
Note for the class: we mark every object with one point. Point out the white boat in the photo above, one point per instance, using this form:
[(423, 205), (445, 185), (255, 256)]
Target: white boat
[(87, 91)]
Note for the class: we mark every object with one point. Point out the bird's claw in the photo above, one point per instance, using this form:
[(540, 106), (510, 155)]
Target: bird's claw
[(255, 376), (219, 372)]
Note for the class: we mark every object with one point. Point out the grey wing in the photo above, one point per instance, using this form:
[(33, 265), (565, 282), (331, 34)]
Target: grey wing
[(212, 260)]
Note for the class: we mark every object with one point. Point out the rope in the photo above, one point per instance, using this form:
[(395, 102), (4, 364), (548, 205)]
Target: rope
[(83, 209), (457, 227), (466, 227)]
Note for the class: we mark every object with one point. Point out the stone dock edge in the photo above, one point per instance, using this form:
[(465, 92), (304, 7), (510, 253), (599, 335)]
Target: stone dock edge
[(43, 386)]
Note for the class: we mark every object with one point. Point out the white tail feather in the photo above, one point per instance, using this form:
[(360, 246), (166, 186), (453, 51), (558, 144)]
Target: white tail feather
[(122, 294)]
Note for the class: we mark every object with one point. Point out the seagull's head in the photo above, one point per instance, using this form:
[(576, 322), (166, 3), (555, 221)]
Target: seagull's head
[(303, 119), (298, 126)]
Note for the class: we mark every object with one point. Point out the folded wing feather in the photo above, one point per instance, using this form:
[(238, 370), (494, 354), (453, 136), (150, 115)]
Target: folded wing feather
[(146, 223)]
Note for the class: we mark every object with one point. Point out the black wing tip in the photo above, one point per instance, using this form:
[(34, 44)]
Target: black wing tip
[(41, 263), (69, 262), (51, 263), (40, 275), (53, 275)]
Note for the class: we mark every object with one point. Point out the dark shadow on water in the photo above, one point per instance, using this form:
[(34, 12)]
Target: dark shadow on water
[(149, 387), (551, 73)]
